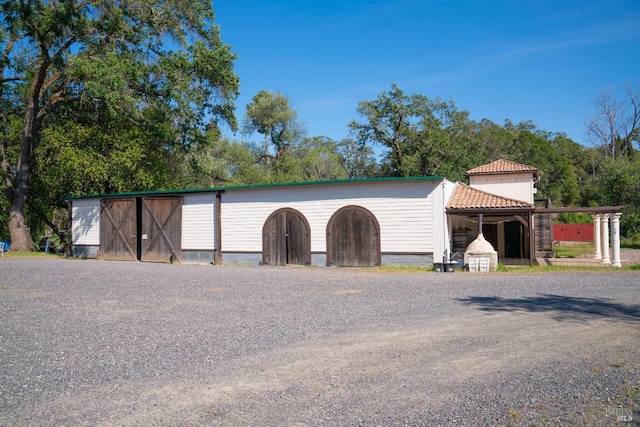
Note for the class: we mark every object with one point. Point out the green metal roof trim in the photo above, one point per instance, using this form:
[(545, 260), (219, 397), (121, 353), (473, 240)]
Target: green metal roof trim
[(333, 181), (250, 187), (144, 193)]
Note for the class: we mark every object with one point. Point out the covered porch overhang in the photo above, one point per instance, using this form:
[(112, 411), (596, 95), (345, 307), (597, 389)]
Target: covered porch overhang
[(483, 216)]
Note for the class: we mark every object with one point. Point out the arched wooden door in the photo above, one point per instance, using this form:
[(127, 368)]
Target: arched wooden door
[(353, 238), (286, 238)]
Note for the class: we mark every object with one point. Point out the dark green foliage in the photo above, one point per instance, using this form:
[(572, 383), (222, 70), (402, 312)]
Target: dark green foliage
[(358, 160), (618, 183), (106, 94), (270, 114), (573, 218), (422, 136)]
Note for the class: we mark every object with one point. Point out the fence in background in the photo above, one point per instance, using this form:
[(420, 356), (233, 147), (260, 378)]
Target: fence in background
[(573, 232)]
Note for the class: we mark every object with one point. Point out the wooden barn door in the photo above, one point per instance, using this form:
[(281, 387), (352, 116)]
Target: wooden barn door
[(118, 230), (161, 229), (353, 238), (285, 239)]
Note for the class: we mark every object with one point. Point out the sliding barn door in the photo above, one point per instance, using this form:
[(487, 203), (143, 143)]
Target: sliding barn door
[(118, 230), (161, 229)]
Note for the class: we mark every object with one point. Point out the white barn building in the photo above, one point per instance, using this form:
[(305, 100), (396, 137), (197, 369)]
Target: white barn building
[(345, 222), (359, 222)]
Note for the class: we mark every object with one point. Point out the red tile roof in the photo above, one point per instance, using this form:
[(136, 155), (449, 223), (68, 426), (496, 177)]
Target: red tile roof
[(465, 197), (502, 166)]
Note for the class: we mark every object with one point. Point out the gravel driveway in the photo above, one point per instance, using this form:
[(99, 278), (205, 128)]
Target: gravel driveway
[(114, 343)]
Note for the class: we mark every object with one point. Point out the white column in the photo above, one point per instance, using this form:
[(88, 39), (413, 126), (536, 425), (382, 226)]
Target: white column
[(596, 237), (615, 233), (605, 240)]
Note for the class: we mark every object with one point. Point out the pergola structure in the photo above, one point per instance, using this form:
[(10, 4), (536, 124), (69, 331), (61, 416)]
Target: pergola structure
[(606, 249)]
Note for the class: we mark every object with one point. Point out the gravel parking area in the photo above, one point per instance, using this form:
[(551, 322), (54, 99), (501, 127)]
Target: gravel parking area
[(128, 344)]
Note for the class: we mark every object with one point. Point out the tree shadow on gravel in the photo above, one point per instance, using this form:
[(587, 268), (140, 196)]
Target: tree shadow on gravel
[(559, 306)]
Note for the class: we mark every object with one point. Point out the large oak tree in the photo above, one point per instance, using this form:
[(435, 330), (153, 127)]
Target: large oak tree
[(162, 58), (422, 136)]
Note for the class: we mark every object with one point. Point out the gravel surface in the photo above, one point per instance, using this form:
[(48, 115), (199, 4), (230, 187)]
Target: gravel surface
[(629, 256), (116, 343)]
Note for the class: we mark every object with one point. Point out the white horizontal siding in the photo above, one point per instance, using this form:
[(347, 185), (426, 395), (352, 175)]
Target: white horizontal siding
[(512, 186), (198, 221), (404, 210), (85, 222)]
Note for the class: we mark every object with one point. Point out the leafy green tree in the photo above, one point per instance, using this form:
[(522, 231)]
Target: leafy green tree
[(448, 145), (619, 185), (392, 121), (9, 131), (358, 160), (581, 161), (320, 158), (312, 159), (558, 179), (424, 136), (204, 164), (243, 167), (161, 57), (222, 162), (496, 141), (86, 156), (270, 114)]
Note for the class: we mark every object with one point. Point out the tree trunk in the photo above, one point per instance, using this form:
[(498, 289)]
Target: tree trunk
[(21, 240), (397, 155)]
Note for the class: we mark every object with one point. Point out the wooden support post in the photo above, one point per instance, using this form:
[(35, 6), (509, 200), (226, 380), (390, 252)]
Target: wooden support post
[(217, 229), (532, 243), (68, 249)]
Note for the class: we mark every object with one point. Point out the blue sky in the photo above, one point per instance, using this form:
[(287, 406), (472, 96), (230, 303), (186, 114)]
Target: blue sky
[(543, 61)]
